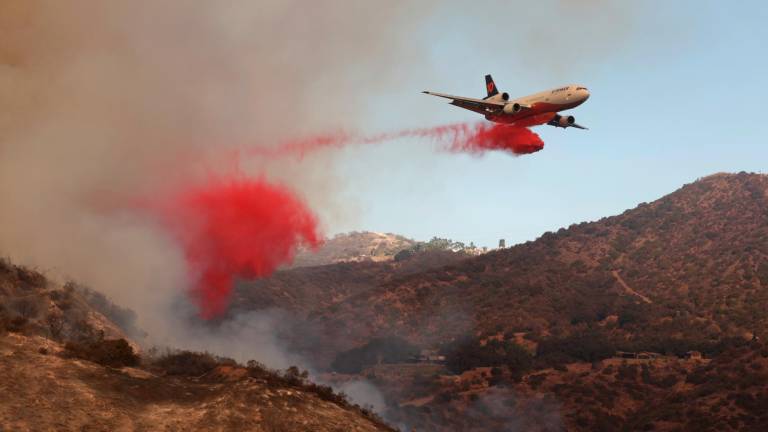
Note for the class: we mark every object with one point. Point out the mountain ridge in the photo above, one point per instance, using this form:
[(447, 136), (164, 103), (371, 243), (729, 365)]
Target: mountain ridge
[(614, 262)]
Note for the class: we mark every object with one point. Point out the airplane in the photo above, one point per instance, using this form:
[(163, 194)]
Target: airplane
[(536, 109)]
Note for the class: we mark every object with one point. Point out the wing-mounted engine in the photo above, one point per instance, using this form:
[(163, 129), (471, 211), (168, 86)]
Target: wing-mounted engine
[(564, 122), (515, 107)]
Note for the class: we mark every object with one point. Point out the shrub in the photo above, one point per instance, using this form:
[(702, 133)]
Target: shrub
[(379, 350), (62, 298), (4, 320), (16, 324), (30, 278), (762, 273), (699, 376), (634, 314), (124, 318), (82, 331), (187, 363), (666, 382), (326, 393), (5, 265), (404, 254), (467, 353), (589, 346), (55, 323), (26, 307), (627, 372), (106, 352), (294, 376), (474, 267), (536, 380)]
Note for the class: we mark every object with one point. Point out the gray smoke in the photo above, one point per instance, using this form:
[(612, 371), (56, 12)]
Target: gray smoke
[(102, 103), (106, 102)]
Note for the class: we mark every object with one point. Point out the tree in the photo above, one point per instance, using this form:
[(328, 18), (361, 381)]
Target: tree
[(468, 353), (380, 350), (588, 346), (55, 324), (26, 307), (404, 255), (106, 352), (187, 363)]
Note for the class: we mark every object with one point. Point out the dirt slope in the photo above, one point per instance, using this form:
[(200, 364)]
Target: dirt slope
[(44, 387), (48, 392)]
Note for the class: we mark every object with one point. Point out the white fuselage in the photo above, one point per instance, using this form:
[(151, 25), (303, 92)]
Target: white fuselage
[(537, 107)]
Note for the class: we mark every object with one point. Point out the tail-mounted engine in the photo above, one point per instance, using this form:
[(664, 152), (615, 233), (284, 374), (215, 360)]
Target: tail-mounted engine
[(499, 97)]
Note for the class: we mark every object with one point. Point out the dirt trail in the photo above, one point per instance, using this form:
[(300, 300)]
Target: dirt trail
[(629, 289)]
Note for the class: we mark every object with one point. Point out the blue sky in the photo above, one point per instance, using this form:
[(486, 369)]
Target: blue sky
[(677, 93)]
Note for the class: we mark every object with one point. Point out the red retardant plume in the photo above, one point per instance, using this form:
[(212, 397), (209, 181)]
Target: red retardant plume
[(236, 228), (482, 137), (476, 138)]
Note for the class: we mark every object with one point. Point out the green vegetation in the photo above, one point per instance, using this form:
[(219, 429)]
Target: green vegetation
[(106, 352), (469, 352), (377, 351), (436, 244), (588, 346), (189, 363)]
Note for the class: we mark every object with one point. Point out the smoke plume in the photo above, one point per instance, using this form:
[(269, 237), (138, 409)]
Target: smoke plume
[(103, 102)]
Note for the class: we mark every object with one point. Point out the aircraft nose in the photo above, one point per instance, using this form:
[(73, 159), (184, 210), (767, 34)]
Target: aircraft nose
[(585, 94)]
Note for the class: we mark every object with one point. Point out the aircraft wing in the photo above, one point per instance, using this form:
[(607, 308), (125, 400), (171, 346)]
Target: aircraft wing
[(578, 126), (477, 105)]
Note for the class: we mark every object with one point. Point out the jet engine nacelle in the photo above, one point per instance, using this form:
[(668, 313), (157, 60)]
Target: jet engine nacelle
[(501, 97), (512, 108), (564, 121)]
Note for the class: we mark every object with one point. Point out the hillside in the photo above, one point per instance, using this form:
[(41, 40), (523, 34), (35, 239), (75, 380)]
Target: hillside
[(687, 272), (297, 295), (307, 289), (530, 335), (31, 304), (68, 366), (666, 394), (52, 392), (354, 246), (692, 266)]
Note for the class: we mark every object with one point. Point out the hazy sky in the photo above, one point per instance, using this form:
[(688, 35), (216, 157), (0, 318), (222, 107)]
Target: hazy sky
[(678, 92)]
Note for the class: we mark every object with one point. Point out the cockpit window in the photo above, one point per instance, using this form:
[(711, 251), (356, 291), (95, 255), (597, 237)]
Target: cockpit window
[(581, 88)]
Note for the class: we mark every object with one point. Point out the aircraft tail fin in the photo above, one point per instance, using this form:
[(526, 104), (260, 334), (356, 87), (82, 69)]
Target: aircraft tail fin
[(490, 86)]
